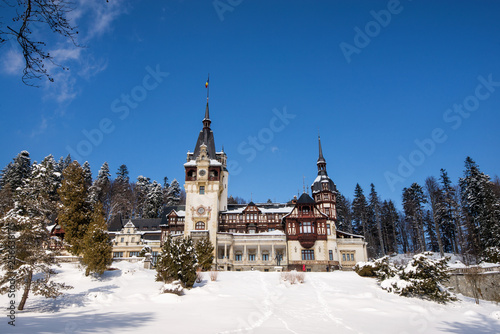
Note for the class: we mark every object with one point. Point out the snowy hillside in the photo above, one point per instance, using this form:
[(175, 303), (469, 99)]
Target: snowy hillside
[(128, 301)]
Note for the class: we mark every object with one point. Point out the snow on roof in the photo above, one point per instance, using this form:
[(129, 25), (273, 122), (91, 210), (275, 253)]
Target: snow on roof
[(214, 163), (190, 163), (50, 227)]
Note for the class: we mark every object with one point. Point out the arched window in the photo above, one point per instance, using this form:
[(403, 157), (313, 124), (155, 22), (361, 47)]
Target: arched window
[(200, 226)]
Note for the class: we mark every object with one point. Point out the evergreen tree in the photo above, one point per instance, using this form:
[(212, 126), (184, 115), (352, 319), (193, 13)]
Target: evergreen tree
[(141, 190), (431, 232), (481, 209), (67, 161), (97, 247), (435, 196), (359, 212), (154, 200), (449, 215), (173, 194), (413, 200), (122, 197), (177, 261), (87, 174), (100, 191), (75, 214), (344, 214), (204, 253), (374, 209), (16, 172), (389, 220), (24, 230)]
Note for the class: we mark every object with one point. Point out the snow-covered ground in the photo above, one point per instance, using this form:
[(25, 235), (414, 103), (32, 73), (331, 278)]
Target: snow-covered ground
[(128, 301)]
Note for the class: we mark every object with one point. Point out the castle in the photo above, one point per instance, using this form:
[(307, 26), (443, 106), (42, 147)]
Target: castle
[(300, 234)]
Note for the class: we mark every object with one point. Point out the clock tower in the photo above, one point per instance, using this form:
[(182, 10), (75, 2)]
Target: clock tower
[(206, 186)]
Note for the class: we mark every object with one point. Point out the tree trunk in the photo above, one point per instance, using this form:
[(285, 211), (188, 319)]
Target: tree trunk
[(438, 236), (26, 292)]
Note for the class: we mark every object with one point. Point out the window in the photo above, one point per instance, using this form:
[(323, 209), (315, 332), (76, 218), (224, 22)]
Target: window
[(307, 254), (328, 229), (330, 254), (122, 239), (343, 257), (202, 190), (117, 254), (232, 230), (237, 257), (327, 211), (132, 240), (200, 226), (130, 254), (352, 257), (306, 227), (265, 257), (251, 257)]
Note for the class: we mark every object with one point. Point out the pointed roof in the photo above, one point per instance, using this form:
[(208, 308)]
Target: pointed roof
[(322, 174), (305, 199), (206, 137), (321, 159)]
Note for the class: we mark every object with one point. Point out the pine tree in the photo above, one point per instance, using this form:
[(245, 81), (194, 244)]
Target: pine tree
[(141, 189), (389, 219), (413, 200), (154, 200), (435, 196), (75, 213), (204, 253), (173, 194), (16, 172), (24, 231), (122, 197), (448, 215), (374, 209), (344, 214), (481, 209), (100, 191), (97, 247), (359, 212), (87, 174), (177, 261)]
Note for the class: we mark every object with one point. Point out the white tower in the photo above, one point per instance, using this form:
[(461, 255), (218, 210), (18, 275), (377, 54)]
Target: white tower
[(206, 186)]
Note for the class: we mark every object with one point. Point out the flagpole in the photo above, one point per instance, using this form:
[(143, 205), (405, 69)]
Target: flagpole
[(208, 85)]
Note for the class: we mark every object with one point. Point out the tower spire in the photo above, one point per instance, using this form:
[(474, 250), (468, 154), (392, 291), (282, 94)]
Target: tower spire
[(206, 120), (321, 160)]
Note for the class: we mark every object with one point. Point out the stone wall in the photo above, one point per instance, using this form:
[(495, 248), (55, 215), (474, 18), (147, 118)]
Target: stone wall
[(488, 284)]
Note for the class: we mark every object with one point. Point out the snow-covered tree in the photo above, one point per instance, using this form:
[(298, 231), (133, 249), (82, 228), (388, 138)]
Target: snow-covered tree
[(24, 237), (204, 253), (101, 189), (172, 194), (141, 188), (17, 171), (360, 212), (122, 197), (177, 261), (154, 200), (97, 248), (481, 209), (87, 174), (75, 213)]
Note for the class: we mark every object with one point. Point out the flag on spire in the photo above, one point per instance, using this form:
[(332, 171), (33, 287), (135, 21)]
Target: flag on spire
[(206, 83)]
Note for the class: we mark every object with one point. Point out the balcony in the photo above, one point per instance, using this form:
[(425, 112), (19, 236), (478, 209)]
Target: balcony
[(307, 240)]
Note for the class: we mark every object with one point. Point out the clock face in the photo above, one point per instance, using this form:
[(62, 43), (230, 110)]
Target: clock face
[(202, 172), (201, 210)]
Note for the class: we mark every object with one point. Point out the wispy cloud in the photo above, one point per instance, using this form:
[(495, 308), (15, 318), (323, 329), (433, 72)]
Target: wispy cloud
[(12, 62), (40, 128)]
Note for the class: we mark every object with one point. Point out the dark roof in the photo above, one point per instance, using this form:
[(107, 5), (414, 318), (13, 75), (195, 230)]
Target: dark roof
[(305, 199), (142, 224), (317, 185), (251, 203), (320, 159), (206, 137)]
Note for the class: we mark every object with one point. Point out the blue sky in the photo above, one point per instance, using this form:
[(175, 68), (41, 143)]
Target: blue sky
[(374, 78)]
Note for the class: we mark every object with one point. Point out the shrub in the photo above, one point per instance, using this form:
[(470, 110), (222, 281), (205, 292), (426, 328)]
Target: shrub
[(175, 287), (199, 275), (213, 275)]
